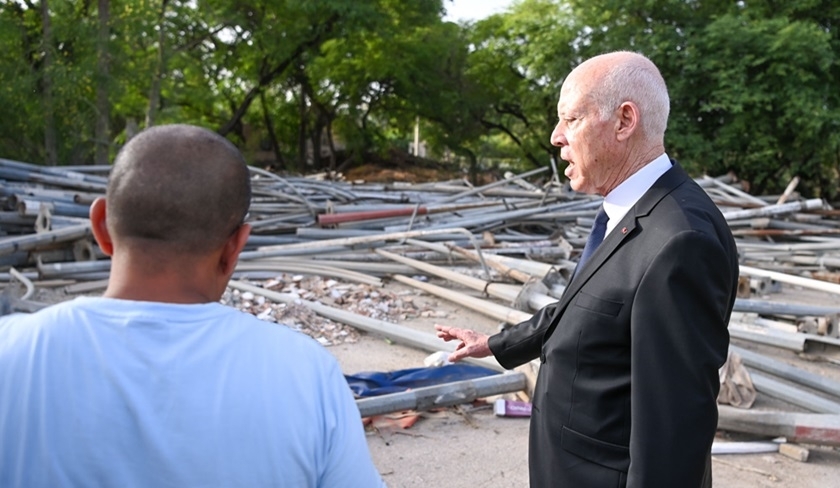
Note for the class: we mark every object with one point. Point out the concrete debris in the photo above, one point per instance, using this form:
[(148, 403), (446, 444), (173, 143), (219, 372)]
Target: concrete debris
[(359, 299)]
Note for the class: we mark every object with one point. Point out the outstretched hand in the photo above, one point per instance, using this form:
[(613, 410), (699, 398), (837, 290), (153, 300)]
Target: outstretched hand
[(473, 344)]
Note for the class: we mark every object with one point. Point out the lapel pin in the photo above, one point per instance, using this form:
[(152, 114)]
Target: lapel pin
[(624, 230)]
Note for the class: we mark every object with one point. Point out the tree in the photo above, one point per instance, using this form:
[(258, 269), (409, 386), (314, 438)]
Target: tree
[(521, 58), (103, 103), (761, 112), (750, 82), (50, 147)]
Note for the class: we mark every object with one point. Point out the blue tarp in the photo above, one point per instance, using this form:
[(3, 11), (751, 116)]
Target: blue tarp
[(373, 383)]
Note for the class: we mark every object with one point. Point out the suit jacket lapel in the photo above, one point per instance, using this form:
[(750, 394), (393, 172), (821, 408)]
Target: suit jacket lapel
[(662, 187)]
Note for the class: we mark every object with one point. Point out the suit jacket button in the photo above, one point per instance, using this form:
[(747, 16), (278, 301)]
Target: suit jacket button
[(542, 357)]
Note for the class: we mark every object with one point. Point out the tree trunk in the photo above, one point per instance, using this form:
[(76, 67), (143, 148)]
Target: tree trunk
[(302, 133), (332, 146), (50, 144), (272, 135), (268, 76), (102, 136), (316, 135), (154, 90), (473, 171)]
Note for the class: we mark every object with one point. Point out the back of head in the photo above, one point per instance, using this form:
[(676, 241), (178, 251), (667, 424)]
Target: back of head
[(630, 76), (177, 189)]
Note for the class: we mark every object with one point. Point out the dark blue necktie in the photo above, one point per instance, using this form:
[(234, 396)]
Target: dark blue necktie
[(596, 236)]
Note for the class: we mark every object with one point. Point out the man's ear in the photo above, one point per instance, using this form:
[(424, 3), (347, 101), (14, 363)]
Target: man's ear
[(628, 121), (233, 246), (98, 211)]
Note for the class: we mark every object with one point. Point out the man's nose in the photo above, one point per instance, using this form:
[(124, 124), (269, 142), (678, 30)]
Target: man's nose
[(557, 137)]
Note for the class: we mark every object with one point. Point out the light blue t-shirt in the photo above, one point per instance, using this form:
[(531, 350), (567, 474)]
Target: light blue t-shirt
[(118, 393)]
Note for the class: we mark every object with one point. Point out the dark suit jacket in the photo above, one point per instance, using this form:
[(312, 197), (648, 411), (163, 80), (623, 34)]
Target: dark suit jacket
[(627, 388)]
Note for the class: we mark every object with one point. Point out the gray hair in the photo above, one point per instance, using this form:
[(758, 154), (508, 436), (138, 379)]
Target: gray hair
[(637, 81)]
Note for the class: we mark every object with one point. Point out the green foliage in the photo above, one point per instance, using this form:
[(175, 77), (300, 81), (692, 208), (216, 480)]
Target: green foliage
[(317, 84), (22, 75), (519, 59), (751, 83), (761, 112)]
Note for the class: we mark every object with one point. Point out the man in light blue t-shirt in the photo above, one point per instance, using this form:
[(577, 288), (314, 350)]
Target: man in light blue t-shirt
[(156, 383)]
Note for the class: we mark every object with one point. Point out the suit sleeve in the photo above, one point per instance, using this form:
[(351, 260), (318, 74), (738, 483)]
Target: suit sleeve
[(679, 341), (522, 342)]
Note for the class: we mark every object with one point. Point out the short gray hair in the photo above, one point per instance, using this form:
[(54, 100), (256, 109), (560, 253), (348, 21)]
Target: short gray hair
[(640, 82)]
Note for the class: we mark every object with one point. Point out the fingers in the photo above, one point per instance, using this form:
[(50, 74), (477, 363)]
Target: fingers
[(446, 333), (457, 355), (472, 343)]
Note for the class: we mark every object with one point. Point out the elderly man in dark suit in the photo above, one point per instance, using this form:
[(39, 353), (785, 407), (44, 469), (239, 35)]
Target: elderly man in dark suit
[(627, 387)]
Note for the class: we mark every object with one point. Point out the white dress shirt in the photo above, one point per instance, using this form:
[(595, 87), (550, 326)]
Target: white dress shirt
[(619, 201)]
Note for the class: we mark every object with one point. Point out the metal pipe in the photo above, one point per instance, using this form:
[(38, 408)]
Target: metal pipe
[(285, 183), (812, 204), (490, 309), (793, 280), (793, 395), (781, 308), (448, 187), (784, 232), (753, 447), (61, 171), (57, 270), (812, 428), (15, 218), (770, 337), (30, 288), (398, 333), (25, 243), (821, 261), (734, 191), (821, 245), (374, 268), (343, 217), (61, 181), (794, 341), (788, 190), (533, 268), (768, 223), (497, 290), (351, 241), (787, 372), (310, 269), (445, 395), (504, 270), (482, 189), (495, 217)]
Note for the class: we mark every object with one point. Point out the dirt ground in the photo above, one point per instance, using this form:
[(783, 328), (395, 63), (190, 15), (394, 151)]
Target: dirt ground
[(470, 447)]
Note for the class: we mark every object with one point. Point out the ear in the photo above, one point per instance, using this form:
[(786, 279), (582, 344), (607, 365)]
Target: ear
[(233, 246), (98, 214), (628, 120)]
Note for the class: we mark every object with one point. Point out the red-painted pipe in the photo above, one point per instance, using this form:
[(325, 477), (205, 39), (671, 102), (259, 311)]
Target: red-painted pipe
[(338, 218)]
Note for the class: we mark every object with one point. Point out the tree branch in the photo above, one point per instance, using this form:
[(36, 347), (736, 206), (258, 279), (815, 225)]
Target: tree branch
[(267, 78)]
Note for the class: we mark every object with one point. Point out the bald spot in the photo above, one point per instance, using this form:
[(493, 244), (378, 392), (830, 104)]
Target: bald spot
[(613, 78), (177, 188)]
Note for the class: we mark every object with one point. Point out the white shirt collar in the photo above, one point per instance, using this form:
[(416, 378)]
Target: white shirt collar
[(619, 201)]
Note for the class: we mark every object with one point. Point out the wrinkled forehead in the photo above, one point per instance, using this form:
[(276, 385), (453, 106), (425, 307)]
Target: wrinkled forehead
[(574, 97)]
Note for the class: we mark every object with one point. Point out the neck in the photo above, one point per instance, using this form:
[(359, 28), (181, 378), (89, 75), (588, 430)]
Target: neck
[(134, 278), (636, 159)]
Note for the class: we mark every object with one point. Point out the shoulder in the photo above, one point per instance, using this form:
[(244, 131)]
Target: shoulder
[(25, 335), (269, 336), (689, 207), (44, 317)]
